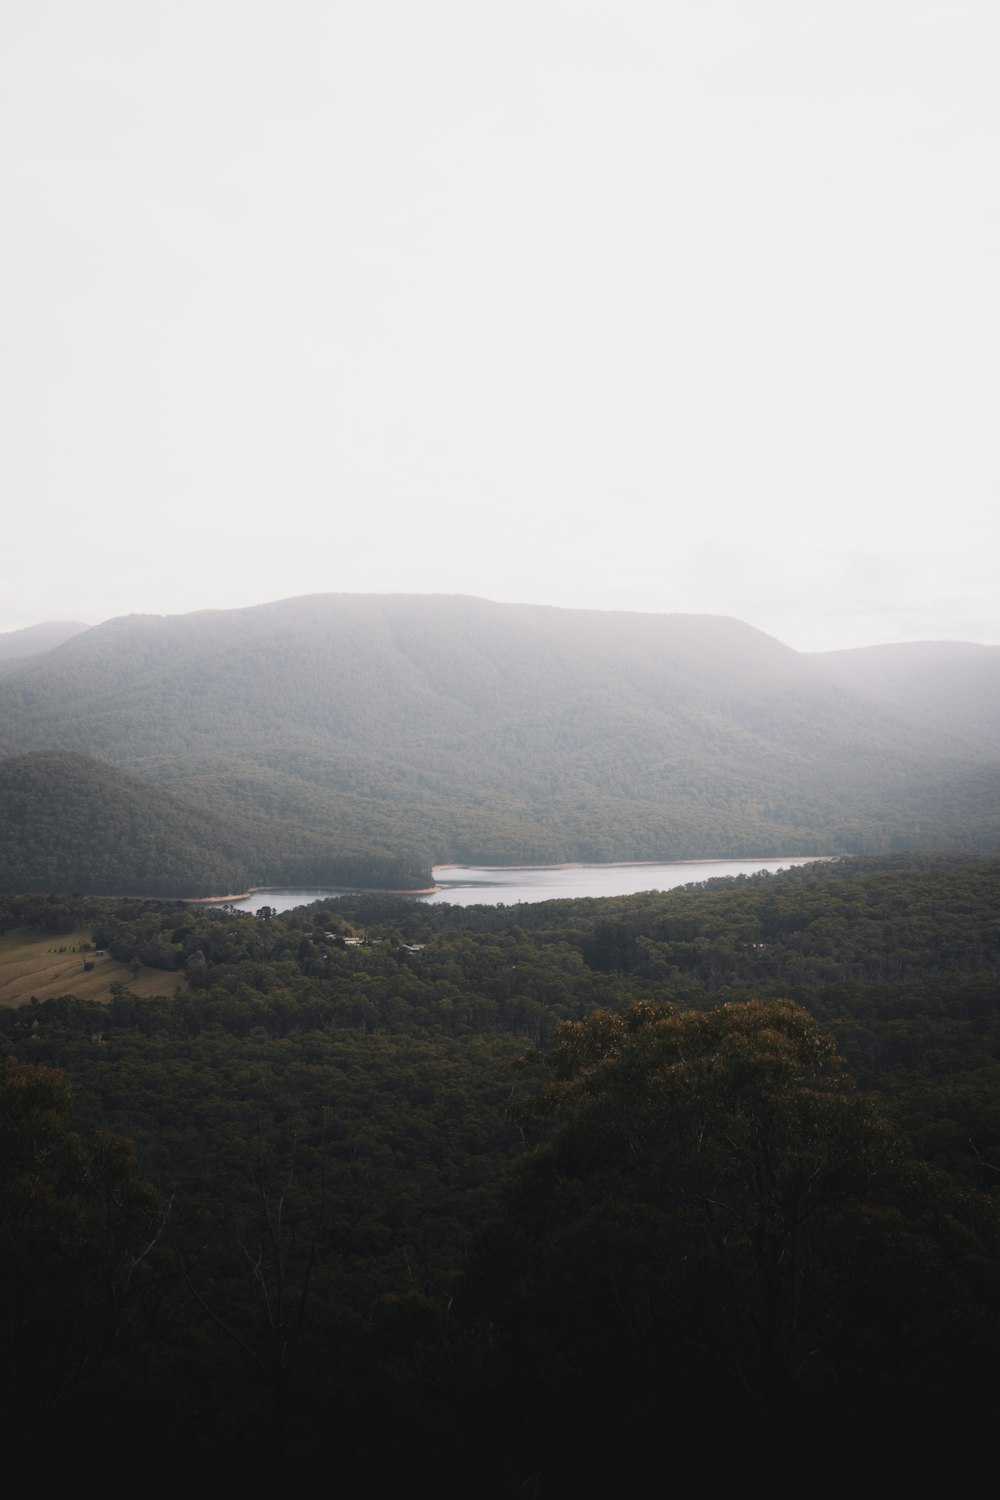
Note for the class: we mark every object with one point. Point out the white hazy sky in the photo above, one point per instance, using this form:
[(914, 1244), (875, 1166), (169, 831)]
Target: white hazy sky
[(645, 304)]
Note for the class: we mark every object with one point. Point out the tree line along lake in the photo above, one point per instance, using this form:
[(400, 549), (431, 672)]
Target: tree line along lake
[(469, 885)]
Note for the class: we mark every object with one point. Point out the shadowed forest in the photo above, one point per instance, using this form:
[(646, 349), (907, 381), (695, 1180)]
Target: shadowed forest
[(515, 1200)]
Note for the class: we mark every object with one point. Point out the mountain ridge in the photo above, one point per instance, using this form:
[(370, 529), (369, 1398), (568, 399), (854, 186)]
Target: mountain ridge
[(420, 729), (18, 645)]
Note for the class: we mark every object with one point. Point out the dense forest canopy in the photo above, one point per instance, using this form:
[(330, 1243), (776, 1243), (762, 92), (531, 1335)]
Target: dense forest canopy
[(344, 739), (507, 1198)]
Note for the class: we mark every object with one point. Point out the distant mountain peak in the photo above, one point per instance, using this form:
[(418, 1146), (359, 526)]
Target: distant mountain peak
[(15, 645)]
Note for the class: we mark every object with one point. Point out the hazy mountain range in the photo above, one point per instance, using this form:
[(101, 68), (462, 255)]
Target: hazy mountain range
[(17, 645), (363, 738)]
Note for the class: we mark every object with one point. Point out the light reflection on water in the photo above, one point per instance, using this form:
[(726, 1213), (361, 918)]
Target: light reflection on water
[(470, 886)]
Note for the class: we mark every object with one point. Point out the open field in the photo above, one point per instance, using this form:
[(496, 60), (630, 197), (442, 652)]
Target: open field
[(47, 964)]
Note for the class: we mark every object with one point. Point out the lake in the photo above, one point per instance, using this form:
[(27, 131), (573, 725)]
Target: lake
[(470, 886)]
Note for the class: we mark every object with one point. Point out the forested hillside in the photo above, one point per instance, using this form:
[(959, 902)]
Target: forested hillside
[(507, 1199), (954, 685), (332, 731), (78, 824)]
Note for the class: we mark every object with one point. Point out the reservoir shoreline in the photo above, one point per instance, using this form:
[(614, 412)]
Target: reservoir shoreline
[(331, 891), (639, 864)]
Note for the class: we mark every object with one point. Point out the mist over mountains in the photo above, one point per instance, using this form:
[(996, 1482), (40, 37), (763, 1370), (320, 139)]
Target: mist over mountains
[(360, 739), (18, 645)]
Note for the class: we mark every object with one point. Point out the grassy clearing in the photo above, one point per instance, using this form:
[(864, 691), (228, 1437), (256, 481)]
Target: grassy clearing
[(46, 964)]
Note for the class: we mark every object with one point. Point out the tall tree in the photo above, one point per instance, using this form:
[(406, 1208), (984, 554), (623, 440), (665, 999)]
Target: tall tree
[(719, 1256)]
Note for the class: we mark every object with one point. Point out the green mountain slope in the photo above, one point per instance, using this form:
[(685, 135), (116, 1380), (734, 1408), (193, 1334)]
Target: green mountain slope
[(71, 823), (404, 730), (945, 684)]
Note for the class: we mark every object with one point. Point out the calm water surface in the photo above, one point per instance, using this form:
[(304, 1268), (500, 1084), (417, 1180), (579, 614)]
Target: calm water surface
[(469, 886)]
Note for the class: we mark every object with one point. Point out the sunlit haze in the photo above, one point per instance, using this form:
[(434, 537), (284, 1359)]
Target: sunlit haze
[(678, 306)]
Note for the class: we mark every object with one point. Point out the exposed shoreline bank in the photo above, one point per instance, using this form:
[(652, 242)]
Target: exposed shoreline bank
[(638, 864)]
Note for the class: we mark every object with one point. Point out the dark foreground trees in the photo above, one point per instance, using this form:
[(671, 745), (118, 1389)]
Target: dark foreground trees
[(719, 1261), (715, 1260), (77, 1233)]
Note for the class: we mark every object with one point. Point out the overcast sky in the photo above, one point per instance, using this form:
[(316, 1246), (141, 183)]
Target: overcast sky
[(626, 304)]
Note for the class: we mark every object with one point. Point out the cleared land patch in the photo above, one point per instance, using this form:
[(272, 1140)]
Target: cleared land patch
[(48, 964)]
